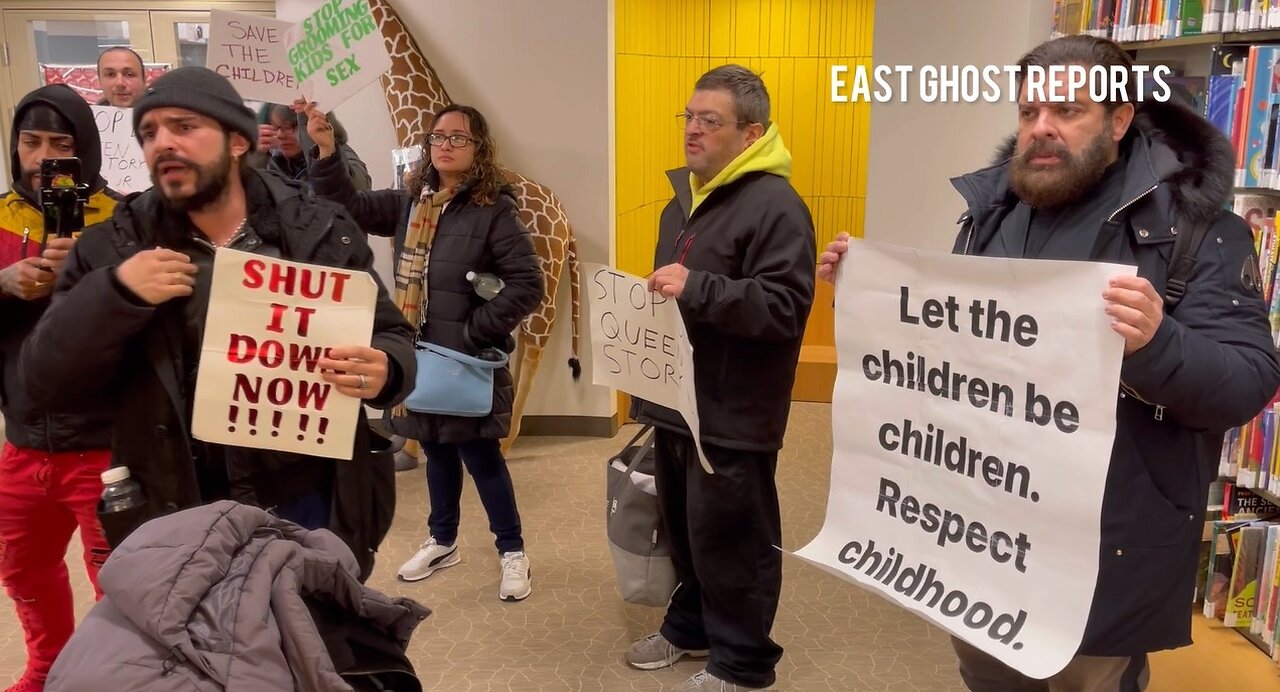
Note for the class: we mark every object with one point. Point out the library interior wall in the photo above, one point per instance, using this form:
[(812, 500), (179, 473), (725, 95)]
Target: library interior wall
[(916, 147), (663, 46), (541, 74)]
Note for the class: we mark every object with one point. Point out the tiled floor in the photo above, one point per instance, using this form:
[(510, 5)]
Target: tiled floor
[(570, 634)]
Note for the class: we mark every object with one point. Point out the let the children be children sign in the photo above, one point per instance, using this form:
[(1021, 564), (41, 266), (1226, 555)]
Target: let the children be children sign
[(269, 323)]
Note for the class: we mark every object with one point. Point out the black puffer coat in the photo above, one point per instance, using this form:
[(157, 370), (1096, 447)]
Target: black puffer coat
[(469, 237)]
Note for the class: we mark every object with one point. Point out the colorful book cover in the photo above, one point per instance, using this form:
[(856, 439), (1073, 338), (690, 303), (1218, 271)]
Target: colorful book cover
[(1265, 575), (1220, 98), (1262, 76), (1191, 18), (1221, 563), (1242, 596), (1273, 602), (1244, 503)]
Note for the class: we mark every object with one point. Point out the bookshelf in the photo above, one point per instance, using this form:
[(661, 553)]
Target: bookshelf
[(1220, 50), (1259, 36)]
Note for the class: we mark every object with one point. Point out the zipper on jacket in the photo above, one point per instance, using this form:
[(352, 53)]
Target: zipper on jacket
[(1126, 390), (1130, 203), (968, 240), (676, 255)]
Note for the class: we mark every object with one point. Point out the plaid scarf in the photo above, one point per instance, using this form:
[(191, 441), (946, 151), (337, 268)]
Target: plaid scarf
[(411, 271)]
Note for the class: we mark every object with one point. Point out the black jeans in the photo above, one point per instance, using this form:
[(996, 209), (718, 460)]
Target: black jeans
[(723, 529), (488, 469)]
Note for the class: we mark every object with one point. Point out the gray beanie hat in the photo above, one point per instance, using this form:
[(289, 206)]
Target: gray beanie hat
[(202, 91)]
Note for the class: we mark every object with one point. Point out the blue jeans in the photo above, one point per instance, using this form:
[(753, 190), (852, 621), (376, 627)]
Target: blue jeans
[(310, 511), (488, 469)]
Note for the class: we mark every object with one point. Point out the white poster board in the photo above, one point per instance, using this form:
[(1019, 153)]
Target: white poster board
[(269, 322), (123, 165), (972, 421), (639, 344), (337, 51), (250, 51)]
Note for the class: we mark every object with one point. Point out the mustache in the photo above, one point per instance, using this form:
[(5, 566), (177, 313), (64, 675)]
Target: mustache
[(173, 158), (1045, 149)]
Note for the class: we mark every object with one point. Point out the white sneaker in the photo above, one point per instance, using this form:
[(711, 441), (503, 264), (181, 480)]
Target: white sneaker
[(429, 558), (516, 585)]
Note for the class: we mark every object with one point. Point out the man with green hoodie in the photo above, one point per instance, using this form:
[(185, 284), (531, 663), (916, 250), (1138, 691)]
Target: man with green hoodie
[(736, 250)]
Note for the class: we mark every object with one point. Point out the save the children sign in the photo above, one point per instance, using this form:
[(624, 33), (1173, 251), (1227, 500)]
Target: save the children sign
[(250, 51), (269, 323), (972, 421)]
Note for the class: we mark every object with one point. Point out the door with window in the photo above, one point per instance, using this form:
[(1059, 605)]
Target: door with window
[(46, 46)]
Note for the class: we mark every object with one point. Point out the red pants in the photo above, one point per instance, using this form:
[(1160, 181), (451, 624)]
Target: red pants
[(43, 498)]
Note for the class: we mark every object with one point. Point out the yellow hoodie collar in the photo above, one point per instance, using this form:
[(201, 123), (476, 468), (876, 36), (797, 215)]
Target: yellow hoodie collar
[(766, 154)]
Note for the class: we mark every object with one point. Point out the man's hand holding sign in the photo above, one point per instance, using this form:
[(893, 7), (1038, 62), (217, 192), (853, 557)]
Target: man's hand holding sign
[(638, 340), (279, 369), (669, 280), (969, 464), (1135, 309)]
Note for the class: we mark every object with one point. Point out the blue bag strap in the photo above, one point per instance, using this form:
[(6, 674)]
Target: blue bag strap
[(463, 357)]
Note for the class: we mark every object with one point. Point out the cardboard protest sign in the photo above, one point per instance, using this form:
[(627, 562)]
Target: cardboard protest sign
[(269, 322), (336, 52), (250, 52), (969, 464), (123, 165), (639, 345)]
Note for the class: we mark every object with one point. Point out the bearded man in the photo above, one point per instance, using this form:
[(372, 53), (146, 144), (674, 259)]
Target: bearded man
[(126, 323), (1117, 181)]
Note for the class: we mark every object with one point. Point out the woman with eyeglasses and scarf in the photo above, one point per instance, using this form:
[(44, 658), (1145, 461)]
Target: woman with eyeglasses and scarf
[(457, 216)]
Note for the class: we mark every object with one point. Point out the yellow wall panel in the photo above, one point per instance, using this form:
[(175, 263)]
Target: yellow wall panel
[(663, 46)]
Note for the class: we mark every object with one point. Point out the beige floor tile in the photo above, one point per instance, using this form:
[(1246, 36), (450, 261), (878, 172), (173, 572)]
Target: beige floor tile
[(571, 633)]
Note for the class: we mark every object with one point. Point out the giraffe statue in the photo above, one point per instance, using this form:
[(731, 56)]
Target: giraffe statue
[(414, 94)]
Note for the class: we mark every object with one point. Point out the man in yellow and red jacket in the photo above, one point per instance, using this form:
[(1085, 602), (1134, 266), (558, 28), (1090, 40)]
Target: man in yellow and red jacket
[(51, 461)]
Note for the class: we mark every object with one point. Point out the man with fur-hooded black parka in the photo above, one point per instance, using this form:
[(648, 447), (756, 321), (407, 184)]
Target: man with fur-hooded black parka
[(1118, 182)]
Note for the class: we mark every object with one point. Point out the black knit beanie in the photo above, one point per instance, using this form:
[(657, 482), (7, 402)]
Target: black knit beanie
[(203, 91)]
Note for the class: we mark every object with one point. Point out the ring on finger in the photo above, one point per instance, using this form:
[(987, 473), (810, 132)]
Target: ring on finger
[(364, 383)]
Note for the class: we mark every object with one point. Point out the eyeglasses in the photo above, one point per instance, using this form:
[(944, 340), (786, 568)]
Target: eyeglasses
[(455, 141), (708, 123), (287, 129)]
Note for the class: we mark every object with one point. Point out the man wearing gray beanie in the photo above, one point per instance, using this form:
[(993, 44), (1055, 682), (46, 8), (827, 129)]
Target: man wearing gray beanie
[(127, 322)]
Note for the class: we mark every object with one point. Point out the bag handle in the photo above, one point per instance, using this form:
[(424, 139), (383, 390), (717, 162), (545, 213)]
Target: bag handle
[(463, 357), (639, 453)]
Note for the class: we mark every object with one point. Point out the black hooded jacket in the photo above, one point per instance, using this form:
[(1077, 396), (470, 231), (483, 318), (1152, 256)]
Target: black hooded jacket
[(1210, 366), (130, 356), (28, 425)]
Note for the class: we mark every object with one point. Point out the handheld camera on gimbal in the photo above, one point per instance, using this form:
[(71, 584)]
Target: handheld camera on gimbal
[(63, 194)]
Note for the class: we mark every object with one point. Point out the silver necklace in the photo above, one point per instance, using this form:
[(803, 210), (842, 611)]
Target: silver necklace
[(234, 236)]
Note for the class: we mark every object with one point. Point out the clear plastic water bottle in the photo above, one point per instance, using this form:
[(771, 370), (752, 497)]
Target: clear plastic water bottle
[(487, 285), (120, 493)]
